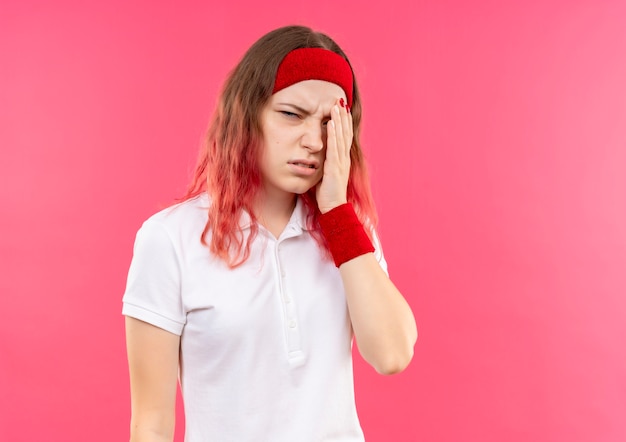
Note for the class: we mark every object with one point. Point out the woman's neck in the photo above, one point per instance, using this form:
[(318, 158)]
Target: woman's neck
[(274, 213)]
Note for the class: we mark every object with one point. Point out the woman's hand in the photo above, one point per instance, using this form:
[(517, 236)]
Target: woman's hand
[(332, 190)]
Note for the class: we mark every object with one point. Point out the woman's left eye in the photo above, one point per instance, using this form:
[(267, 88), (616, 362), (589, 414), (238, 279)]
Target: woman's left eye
[(289, 114)]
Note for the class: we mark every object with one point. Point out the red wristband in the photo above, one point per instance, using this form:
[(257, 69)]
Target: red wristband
[(344, 234)]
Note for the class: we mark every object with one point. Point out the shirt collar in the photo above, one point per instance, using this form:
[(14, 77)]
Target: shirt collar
[(298, 217)]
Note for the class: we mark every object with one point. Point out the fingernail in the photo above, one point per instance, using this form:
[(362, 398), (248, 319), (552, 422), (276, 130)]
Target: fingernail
[(341, 102), (348, 108)]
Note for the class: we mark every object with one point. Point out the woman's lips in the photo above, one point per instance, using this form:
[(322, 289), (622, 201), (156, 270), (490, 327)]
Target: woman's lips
[(303, 167)]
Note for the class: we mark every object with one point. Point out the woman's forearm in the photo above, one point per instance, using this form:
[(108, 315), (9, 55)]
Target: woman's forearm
[(383, 323), (146, 434)]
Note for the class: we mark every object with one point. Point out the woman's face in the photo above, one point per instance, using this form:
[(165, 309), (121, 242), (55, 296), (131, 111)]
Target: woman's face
[(294, 137)]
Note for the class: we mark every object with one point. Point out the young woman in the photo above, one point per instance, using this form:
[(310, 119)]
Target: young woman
[(251, 290)]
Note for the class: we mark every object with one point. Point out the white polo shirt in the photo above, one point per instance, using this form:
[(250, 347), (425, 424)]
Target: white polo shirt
[(265, 347)]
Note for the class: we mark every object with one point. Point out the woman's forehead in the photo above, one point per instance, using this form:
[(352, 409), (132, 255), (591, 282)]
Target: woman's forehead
[(313, 91)]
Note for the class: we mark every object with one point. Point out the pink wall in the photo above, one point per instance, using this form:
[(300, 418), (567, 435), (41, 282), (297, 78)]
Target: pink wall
[(497, 141)]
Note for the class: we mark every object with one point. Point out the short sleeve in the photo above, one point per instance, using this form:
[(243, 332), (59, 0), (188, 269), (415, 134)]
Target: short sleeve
[(378, 253), (153, 287)]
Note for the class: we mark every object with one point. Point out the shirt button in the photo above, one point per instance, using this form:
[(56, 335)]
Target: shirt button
[(287, 299), (282, 273), (292, 324)]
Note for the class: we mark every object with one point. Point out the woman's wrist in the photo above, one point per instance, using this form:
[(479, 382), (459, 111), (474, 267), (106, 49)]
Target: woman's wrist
[(344, 234), (325, 209)]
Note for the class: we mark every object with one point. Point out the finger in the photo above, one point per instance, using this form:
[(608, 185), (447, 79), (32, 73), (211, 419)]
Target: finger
[(348, 134), (331, 144), (339, 129), (346, 123)]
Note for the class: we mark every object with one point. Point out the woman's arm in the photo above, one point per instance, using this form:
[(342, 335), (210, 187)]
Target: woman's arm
[(153, 355), (383, 324)]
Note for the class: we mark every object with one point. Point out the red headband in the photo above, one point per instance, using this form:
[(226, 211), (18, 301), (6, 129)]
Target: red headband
[(314, 64)]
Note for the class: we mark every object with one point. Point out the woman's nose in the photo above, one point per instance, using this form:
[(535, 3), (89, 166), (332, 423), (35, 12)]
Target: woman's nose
[(313, 137)]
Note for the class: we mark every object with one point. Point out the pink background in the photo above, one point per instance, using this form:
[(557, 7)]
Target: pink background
[(496, 134)]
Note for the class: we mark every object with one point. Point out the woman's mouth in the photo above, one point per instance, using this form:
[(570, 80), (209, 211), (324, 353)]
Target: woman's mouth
[(303, 167)]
